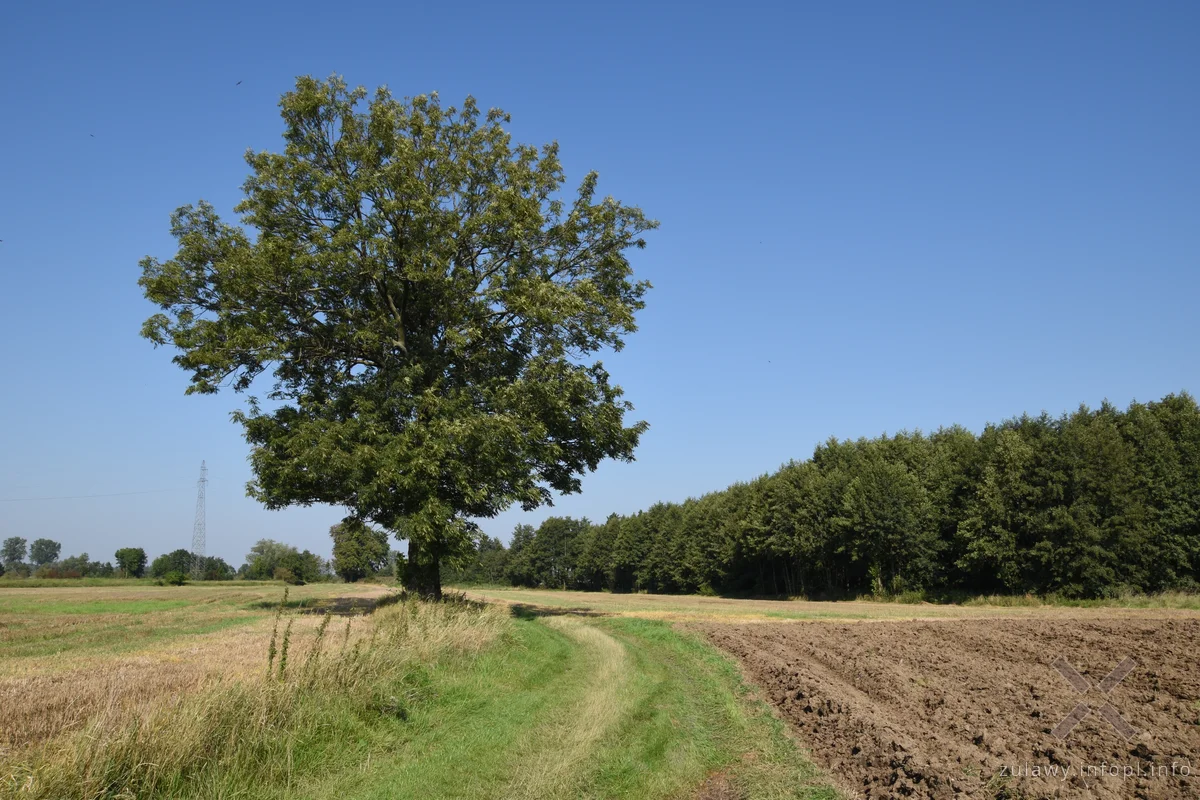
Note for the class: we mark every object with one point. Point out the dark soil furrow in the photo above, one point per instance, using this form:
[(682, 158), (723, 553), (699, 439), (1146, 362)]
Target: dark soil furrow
[(966, 708)]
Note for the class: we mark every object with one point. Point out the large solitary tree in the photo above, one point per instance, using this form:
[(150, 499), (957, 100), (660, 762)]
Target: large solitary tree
[(428, 305)]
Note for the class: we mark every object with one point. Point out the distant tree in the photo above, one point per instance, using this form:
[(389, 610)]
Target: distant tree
[(176, 561), (305, 566), (428, 301), (13, 551), (595, 556), (44, 551), (1089, 504), (132, 561), (886, 520), (520, 570), (492, 560), (299, 568), (1, 568), (359, 551), (272, 560), (210, 568), (265, 557), (213, 568), (549, 557), (488, 564), (173, 578)]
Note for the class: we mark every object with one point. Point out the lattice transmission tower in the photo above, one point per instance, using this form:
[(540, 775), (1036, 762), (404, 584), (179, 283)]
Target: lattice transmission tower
[(198, 532)]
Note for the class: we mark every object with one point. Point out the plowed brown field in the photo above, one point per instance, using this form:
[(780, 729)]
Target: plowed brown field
[(967, 708)]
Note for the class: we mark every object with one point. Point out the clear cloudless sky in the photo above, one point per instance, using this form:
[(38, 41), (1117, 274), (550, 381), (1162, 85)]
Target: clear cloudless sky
[(875, 216)]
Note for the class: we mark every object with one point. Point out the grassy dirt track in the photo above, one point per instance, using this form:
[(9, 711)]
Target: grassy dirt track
[(583, 708)]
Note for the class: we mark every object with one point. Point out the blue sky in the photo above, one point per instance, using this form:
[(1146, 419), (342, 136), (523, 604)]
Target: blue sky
[(875, 216)]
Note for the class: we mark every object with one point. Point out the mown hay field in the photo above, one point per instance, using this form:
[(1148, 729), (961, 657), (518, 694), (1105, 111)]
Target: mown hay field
[(69, 652)]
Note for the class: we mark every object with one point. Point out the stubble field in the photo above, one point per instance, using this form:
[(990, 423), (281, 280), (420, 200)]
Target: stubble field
[(68, 653)]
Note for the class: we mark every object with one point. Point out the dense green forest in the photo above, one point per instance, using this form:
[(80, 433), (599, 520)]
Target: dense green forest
[(1084, 505)]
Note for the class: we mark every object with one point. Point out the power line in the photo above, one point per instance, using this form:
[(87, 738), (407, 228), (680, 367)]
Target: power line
[(84, 496)]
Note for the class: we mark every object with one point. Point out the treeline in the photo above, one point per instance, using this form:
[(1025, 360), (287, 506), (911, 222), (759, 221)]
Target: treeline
[(1088, 504), (44, 561), (358, 552), (267, 560)]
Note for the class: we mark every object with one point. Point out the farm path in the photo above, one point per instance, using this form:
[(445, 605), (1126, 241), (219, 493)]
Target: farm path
[(566, 739)]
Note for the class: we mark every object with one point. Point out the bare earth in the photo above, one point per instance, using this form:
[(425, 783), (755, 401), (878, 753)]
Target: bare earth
[(961, 708)]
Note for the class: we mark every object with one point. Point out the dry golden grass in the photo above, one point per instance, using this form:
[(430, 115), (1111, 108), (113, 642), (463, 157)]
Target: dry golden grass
[(36, 706), (281, 686), (58, 670), (45, 629), (697, 608)]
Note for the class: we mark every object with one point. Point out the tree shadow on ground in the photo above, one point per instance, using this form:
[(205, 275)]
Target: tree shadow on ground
[(338, 606), (529, 611)]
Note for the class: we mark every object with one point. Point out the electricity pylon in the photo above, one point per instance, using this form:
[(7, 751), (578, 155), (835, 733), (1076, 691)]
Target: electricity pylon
[(198, 532)]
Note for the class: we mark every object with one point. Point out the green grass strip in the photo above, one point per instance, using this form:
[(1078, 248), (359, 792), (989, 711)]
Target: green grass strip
[(583, 708)]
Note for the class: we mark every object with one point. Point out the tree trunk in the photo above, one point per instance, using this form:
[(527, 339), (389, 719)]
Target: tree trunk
[(422, 573)]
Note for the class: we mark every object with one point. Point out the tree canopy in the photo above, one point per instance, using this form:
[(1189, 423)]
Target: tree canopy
[(44, 551), (428, 306), (13, 551), (180, 561), (210, 568), (131, 561), (76, 567), (548, 556), (272, 560), (487, 565), (359, 551)]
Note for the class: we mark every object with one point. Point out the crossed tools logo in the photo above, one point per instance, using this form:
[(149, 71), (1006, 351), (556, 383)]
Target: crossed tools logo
[(1082, 710)]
